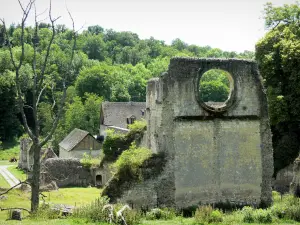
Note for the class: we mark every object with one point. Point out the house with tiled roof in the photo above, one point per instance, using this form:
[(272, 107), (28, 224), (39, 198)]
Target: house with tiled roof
[(118, 115), (77, 143)]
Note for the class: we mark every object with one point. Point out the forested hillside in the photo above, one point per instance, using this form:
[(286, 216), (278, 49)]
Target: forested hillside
[(107, 66)]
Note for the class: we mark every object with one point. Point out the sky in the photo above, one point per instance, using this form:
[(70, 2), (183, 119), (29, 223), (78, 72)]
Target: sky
[(231, 25)]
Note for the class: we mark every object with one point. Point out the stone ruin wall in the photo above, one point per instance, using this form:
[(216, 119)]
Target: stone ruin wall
[(71, 173), (211, 157)]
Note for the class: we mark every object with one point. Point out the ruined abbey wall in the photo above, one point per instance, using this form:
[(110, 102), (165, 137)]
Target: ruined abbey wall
[(213, 155)]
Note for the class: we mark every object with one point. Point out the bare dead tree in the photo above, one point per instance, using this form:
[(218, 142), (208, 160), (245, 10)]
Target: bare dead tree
[(38, 88)]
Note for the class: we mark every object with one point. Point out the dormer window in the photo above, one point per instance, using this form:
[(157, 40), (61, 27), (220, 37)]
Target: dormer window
[(130, 120)]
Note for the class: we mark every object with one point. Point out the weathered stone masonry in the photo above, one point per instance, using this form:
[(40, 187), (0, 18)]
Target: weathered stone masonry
[(212, 155)]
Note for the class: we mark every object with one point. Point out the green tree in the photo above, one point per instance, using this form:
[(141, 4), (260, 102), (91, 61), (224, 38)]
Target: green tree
[(94, 80), (278, 56), (214, 86), (94, 47), (9, 123)]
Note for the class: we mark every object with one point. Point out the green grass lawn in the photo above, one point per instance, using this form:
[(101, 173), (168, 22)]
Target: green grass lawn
[(82, 196), (19, 174), (8, 153), (3, 182), (66, 196)]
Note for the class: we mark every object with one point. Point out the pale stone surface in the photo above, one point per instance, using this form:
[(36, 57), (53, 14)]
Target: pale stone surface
[(212, 156)]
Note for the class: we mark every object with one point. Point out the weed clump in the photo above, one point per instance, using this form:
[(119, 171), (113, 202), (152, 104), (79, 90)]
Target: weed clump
[(206, 214), (161, 214), (93, 211)]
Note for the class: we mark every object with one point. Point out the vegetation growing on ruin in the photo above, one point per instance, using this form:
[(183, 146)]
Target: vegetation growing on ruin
[(134, 165), (130, 161), (115, 143), (88, 161)]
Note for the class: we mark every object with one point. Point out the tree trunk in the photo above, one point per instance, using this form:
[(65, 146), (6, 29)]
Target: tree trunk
[(35, 183)]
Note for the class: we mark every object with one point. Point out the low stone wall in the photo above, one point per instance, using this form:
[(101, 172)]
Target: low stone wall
[(65, 172), (283, 179)]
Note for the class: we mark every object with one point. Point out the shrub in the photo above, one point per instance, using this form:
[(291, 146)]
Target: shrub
[(93, 211), (88, 161), (293, 212), (262, 216), (279, 210), (138, 126), (161, 214), (248, 214), (206, 214), (115, 143), (45, 212), (128, 164), (132, 217)]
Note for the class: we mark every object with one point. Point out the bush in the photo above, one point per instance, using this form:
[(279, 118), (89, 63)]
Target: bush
[(248, 214), (87, 161), (279, 210), (262, 216), (115, 143), (293, 212), (161, 214), (138, 126), (132, 217), (93, 211), (128, 164), (206, 214), (45, 212)]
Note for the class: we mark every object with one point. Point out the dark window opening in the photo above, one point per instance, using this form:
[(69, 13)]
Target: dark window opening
[(99, 180)]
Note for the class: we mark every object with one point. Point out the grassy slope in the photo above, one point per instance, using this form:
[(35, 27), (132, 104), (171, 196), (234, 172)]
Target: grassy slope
[(8, 153), (19, 174)]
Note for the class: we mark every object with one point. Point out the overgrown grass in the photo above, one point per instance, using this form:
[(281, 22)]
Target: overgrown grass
[(280, 212), (18, 173), (9, 153)]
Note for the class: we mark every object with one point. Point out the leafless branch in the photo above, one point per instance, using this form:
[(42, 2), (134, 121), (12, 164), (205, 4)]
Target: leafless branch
[(2, 209), (56, 120), (40, 94), (8, 190), (74, 33), (27, 106), (21, 6), (48, 47), (42, 13)]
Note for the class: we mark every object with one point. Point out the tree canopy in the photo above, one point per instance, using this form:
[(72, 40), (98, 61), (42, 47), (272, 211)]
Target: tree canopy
[(278, 55)]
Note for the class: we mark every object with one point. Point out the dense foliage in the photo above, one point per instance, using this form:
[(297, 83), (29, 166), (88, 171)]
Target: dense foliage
[(110, 65), (214, 86), (115, 143), (278, 55)]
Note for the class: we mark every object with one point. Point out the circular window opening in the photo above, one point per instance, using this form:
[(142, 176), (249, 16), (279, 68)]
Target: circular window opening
[(215, 90)]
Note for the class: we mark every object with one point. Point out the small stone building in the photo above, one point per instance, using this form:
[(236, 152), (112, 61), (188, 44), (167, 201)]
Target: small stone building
[(117, 115), (77, 143)]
